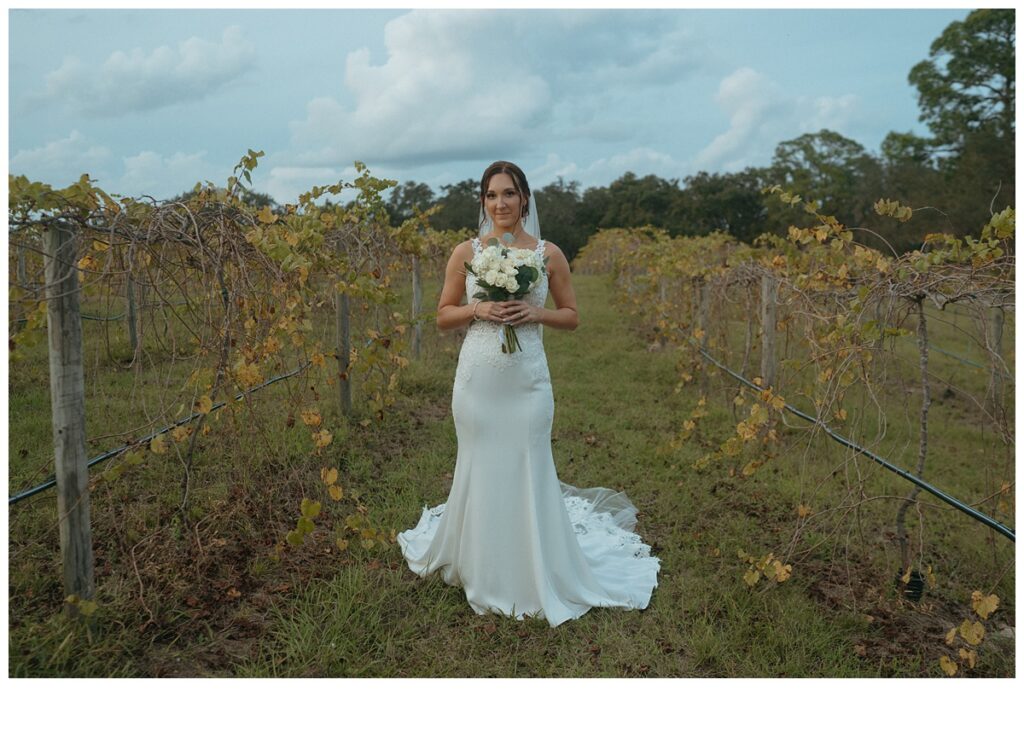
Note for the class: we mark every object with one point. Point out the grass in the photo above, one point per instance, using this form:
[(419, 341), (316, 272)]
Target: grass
[(322, 612)]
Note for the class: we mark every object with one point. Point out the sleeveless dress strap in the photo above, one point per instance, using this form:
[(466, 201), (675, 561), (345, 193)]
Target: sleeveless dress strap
[(477, 247)]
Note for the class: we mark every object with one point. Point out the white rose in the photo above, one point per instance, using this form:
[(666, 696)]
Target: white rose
[(491, 277)]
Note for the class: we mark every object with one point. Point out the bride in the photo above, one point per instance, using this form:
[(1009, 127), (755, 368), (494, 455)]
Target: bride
[(518, 540)]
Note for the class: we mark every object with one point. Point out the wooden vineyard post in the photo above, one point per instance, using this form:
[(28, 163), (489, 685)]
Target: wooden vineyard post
[(22, 267), (67, 400), (703, 307), (417, 303), (885, 307), (995, 350), (343, 349), (132, 315), (769, 298)]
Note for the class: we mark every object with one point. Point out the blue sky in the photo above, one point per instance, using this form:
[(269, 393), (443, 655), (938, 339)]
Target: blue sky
[(151, 101)]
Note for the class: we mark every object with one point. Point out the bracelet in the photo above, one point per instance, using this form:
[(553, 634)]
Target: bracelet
[(474, 311)]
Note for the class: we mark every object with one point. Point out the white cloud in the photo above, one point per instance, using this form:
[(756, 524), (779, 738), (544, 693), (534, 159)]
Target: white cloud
[(62, 160), (762, 114), (151, 173), (138, 81), (466, 85), (285, 183), (640, 160)]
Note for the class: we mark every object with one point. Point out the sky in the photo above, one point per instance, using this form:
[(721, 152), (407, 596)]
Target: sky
[(148, 102)]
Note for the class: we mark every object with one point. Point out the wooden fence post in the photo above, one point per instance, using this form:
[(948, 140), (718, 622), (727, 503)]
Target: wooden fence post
[(22, 267), (884, 306), (67, 401), (769, 299), (343, 348), (703, 307), (132, 315), (417, 303)]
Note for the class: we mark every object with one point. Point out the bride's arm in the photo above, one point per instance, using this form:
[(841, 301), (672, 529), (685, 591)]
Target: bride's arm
[(451, 312)]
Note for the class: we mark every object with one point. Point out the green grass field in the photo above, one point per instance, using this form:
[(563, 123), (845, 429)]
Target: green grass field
[(207, 599)]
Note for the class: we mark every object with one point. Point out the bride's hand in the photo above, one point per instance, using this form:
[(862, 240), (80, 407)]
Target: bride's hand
[(491, 310), (518, 312)]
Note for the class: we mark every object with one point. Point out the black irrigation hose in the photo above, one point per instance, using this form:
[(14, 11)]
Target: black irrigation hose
[(104, 456), (999, 527)]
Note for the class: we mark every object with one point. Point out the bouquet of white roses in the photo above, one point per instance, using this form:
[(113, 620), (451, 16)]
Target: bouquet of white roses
[(505, 272)]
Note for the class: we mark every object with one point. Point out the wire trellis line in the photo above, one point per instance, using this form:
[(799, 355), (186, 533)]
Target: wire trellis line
[(49, 483), (999, 527)]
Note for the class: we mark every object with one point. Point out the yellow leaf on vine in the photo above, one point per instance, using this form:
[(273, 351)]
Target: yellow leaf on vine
[(782, 573), (971, 656), (246, 374), (266, 215), (329, 476), (983, 605), (948, 665), (322, 439), (951, 636), (803, 510), (750, 468), (972, 631), (317, 359), (204, 405), (751, 577), (158, 445), (745, 430), (335, 492), (311, 418), (732, 447)]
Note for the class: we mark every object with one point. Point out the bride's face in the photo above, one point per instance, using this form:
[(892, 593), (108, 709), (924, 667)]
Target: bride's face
[(504, 203)]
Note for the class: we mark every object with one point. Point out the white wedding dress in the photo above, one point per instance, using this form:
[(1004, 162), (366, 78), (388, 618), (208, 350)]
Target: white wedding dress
[(516, 538)]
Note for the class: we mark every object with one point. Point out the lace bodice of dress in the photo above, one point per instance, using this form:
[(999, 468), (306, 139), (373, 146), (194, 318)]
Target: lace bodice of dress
[(482, 339)]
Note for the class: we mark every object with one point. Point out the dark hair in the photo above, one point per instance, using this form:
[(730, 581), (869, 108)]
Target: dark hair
[(514, 172)]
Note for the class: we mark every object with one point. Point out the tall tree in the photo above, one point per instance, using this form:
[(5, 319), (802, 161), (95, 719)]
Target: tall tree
[(406, 196), (967, 93), (729, 202), (968, 81), (559, 204), (460, 206), (634, 202), (829, 168)]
